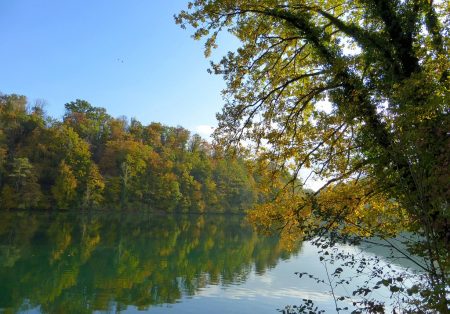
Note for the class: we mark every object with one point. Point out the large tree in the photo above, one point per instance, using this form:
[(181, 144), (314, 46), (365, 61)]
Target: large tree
[(357, 92)]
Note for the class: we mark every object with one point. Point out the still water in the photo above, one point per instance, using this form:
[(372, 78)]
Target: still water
[(131, 262)]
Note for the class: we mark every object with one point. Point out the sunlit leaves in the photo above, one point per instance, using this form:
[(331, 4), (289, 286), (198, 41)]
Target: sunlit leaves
[(382, 67), (64, 190)]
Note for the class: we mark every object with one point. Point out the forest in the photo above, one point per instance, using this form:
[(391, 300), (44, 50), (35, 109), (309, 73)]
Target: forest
[(92, 160)]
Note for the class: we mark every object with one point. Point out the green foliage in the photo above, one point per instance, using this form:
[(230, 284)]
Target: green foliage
[(95, 185), (90, 123), (64, 190), (26, 189), (231, 178), (8, 197), (91, 160)]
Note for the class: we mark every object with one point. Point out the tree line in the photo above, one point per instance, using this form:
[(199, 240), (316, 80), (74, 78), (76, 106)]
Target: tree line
[(92, 160)]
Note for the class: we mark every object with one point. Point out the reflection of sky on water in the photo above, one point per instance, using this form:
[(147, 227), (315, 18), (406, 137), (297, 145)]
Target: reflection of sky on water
[(197, 264), (261, 293), (276, 288)]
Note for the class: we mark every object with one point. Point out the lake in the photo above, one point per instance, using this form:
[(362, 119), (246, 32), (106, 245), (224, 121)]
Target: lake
[(129, 262)]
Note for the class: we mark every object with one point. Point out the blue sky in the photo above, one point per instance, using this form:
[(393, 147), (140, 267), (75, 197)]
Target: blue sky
[(126, 56)]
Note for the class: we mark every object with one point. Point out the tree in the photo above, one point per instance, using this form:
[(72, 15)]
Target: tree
[(25, 184), (91, 123), (64, 190), (93, 195), (93, 160), (235, 187), (126, 161), (382, 68), (13, 118), (74, 161)]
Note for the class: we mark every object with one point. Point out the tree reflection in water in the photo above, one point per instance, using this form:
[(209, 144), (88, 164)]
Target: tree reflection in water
[(83, 262)]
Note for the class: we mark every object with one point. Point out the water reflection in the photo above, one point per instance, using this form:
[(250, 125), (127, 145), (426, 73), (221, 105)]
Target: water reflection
[(86, 262)]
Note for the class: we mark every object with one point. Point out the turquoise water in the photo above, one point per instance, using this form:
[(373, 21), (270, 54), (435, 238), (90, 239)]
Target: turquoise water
[(132, 262)]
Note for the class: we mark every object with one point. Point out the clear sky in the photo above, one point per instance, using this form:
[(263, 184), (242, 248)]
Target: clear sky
[(127, 56)]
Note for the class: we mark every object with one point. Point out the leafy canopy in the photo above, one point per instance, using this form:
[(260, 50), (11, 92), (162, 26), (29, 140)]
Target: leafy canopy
[(355, 91), (381, 66)]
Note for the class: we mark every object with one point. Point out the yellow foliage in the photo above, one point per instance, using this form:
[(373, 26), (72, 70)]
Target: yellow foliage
[(352, 208)]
